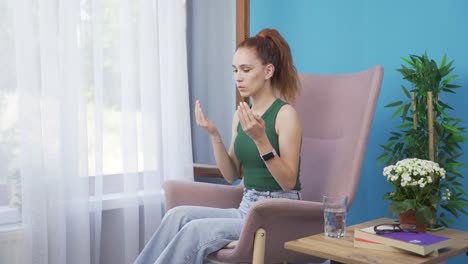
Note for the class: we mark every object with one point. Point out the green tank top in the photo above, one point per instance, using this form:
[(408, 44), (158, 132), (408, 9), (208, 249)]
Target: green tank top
[(256, 174)]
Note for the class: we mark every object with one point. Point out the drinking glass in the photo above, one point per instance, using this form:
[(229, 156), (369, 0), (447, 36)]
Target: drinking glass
[(334, 214)]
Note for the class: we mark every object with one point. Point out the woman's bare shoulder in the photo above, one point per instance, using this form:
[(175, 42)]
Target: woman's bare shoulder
[(287, 117), (287, 111)]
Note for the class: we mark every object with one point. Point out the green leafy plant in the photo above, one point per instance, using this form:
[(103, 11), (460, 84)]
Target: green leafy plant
[(424, 116)]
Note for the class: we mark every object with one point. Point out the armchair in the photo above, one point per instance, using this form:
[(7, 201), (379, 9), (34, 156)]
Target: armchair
[(336, 113)]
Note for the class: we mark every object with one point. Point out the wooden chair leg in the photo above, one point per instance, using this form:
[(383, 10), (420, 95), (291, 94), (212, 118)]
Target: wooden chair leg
[(259, 247)]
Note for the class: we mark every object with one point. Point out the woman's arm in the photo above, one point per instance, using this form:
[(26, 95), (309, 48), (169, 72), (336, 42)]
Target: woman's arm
[(285, 168), (227, 163), (288, 127)]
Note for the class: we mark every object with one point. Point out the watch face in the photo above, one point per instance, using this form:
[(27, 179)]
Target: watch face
[(268, 156)]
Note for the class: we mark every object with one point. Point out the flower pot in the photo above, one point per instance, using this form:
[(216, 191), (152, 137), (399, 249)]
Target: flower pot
[(409, 217)]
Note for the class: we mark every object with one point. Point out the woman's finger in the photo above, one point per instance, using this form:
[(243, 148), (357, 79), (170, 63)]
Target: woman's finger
[(248, 113), (203, 119), (200, 116), (197, 112), (258, 118)]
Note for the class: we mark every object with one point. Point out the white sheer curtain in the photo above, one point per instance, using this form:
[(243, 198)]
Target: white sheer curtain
[(100, 87)]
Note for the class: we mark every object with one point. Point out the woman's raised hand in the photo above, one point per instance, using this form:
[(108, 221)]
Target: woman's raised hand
[(204, 122), (252, 124)]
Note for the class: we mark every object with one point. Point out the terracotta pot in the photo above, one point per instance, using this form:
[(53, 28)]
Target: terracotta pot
[(409, 217)]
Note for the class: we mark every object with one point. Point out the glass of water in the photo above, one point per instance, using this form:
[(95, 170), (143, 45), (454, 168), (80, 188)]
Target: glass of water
[(334, 214)]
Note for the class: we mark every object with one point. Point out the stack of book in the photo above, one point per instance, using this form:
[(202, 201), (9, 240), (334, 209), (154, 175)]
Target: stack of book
[(419, 243)]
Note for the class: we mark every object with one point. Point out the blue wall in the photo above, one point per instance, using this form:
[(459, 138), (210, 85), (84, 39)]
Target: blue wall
[(332, 36)]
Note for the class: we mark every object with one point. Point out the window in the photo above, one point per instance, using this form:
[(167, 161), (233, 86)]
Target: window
[(109, 128), (104, 129), (10, 184), (91, 83)]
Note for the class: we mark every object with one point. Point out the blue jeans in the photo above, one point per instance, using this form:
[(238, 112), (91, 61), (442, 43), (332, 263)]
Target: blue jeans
[(188, 234)]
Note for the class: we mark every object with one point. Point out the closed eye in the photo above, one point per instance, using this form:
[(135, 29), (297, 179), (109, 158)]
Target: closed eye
[(243, 70)]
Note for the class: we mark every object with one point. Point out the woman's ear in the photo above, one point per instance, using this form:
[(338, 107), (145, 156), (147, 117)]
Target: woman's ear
[(269, 70)]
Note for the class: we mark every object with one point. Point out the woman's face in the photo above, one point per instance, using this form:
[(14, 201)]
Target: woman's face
[(249, 72)]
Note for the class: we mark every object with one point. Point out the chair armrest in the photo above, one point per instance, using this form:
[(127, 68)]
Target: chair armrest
[(201, 194), (283, 220), (206, 170), (307, 210)]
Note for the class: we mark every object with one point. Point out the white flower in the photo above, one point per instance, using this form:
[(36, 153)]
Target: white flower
[(405, 176), (414, 172), (429, 179), (448, 194)]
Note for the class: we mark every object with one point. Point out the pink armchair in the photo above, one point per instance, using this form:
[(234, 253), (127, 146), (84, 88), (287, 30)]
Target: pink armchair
[(336, 113)]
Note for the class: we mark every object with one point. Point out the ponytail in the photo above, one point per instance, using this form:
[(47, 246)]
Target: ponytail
[(272, 48)]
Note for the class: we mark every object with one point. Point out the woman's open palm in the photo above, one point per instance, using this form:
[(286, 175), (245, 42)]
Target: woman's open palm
[(252, 124), (204, 122)]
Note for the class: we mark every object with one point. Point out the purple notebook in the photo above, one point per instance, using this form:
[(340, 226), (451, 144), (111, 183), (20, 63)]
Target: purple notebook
[(423, 239)]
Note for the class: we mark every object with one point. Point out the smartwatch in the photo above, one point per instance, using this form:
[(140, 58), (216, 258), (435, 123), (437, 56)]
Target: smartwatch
[(269, 155)]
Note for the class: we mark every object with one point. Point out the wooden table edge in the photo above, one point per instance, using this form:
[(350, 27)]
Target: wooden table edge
[(296, 245)]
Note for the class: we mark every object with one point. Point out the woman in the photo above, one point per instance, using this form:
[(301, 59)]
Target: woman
[(266, 140)]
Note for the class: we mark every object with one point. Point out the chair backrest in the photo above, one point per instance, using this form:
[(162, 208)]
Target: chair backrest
[(336, 113)]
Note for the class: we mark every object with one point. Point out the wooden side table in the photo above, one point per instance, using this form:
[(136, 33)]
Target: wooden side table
[(343, 250)]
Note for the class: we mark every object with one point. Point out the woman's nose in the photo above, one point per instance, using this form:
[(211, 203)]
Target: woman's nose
[(238, 77)]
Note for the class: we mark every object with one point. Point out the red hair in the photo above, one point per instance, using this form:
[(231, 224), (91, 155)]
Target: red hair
[(272, 48)]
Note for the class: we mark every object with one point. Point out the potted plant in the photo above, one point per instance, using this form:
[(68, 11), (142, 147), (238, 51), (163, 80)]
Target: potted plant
[(428, 132), (416, 185)]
